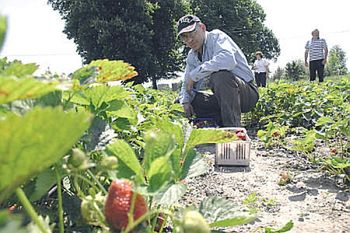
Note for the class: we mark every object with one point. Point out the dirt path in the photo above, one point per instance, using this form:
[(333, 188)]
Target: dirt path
[(312, 199)]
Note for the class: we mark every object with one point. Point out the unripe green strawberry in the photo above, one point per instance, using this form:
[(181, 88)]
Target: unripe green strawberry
[(78, 160), (109, 162), (117, 206), (90, 207), (194, 222)]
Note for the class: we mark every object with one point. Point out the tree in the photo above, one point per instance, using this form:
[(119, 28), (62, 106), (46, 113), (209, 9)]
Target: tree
[(3, 26), (279, 73), (243, 21), (336, 61), (137, 31), (295, 70)]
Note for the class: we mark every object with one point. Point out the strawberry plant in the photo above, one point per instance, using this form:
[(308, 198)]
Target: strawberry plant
[(338, 165), (85, 135), (272, 135), (321, 111)]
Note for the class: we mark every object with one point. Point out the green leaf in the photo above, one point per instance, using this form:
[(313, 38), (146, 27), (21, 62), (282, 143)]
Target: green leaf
[(203, 136), (97, 95), (170, 194), (157, 144), (159, 173), (194, 165), (52, 99), (306, 144), (285, 228), (234, 221), (128, 164), (165, 125), (120, 109), (31, 143), (220, 212), (43, 183), (18, 69), (324, 120), (176, 107), (121, 124), (17, 89), (106, 71)]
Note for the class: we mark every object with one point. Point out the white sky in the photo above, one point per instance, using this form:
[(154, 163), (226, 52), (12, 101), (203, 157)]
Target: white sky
[(35, 35), (293, 20), (35, 30)]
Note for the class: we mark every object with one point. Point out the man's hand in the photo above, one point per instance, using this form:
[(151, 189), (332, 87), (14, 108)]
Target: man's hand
[(188, 109), (189, 87), (324, 61), (306, 64)]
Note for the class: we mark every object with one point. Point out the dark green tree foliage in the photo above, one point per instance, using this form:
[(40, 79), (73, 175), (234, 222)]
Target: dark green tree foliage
[(136, 31), (165, 44), (243, 20), (3, 26), (336, 61), (295, 70), (279, 73)]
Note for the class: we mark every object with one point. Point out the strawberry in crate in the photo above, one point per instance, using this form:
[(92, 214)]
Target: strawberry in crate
[(241, 135)]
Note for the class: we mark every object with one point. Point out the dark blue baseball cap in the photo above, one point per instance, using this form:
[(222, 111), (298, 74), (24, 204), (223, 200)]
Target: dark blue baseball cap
[(187, 23)]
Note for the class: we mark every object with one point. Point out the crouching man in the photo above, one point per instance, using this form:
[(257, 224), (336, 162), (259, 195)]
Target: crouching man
[(218, 83)]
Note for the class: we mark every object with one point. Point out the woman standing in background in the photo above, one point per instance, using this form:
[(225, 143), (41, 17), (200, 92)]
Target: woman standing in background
[(261, 69), (318, 50)]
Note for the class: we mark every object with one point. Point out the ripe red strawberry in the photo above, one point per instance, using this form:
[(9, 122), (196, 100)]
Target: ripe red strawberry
[(160, 222), (241, 135), (118, 204), (333, 151)]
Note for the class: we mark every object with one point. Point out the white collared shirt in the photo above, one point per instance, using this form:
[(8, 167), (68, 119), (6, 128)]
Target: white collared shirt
[(260, 66)]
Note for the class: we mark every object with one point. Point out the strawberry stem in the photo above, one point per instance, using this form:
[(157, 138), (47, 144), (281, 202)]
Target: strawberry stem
[(97, 182), (30, 210), (59, 195)]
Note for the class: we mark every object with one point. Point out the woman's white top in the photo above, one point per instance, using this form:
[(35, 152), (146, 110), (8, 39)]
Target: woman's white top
[(261, 65)]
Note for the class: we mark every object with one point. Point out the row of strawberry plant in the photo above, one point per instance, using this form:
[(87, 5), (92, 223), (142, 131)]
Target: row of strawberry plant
[(314, 112)]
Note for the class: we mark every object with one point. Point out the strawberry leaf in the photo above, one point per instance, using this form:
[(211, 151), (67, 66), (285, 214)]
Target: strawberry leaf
[(31, 143), (12, 88), (128, 163)]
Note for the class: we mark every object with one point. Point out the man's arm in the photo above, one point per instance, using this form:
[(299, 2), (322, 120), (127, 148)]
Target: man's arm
[(185, 94), (306, 56), (325, 53)]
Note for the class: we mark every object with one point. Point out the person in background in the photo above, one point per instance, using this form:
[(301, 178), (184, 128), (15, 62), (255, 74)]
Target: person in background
[(317, 51), (261, 69), (218, 82)]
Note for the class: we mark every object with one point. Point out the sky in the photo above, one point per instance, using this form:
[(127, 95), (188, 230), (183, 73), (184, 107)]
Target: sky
[(35, 31), (292, 22)]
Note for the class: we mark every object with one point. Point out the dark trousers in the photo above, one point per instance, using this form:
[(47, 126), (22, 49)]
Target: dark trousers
[(316, 66), (231, 97), (260, 79)]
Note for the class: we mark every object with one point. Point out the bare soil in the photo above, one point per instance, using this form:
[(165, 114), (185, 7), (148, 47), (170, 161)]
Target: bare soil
[(314, 200)]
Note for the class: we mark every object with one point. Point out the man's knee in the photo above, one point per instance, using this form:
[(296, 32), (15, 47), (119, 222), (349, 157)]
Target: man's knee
[(223, 78)]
